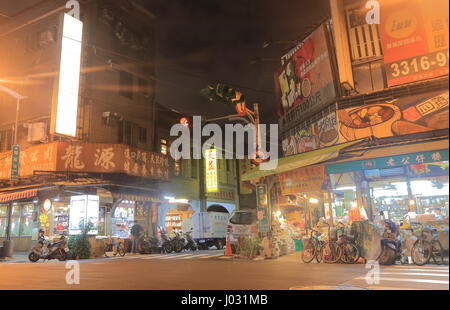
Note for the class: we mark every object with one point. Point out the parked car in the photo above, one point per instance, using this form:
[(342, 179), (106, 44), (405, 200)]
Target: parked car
[(242, 223)]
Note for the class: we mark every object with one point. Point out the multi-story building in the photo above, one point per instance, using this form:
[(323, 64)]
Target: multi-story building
[(363, 115), (114, 168)]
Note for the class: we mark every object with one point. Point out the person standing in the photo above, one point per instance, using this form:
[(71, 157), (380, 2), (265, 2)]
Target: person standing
[(136, 235)]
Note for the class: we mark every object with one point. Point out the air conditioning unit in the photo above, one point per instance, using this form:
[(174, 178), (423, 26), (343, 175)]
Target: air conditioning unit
[(37, 132)]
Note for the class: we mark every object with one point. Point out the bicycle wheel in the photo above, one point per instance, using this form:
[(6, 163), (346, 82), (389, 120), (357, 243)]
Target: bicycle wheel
[(318, 252), (109, 250), (309, 252), (331, 252), (421, 252), (350, 253), (437, 252)]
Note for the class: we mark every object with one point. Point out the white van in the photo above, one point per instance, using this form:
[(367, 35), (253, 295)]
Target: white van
[(242, 223)]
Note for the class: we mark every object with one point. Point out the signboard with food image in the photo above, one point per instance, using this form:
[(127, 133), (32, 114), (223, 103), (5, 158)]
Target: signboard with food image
[(326, 131), (414, 36), (302, 141), (305, 81), (407, 115)]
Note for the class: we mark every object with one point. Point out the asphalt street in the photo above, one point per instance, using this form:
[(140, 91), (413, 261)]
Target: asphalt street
[(209, 270)]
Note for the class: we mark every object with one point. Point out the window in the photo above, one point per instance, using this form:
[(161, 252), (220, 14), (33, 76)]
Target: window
[(6, 140), (26, 220), (177, 168), (126, 133), (15, 221), (126, 84), (164, 147), (3, 219), (142, 135)]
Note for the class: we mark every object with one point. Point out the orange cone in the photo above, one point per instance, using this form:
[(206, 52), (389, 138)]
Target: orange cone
[(228, 251)]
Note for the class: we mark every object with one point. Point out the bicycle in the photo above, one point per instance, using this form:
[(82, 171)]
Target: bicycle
[(313, 248), (113, 248), (350, 252), (331, 251), (426, 247)]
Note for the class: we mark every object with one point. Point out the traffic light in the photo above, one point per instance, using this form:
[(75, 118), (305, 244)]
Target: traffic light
[(223, 94)]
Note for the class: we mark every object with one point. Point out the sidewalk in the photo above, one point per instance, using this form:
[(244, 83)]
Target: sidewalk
[(18, 257)]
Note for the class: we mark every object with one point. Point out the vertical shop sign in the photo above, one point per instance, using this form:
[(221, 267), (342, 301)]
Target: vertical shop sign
[(414, 36), (212, 182), (262, 202), (15, 163)]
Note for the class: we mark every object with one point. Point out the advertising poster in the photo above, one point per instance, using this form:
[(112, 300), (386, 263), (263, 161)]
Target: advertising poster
[(211, 176), (305, 81), (326, 131), (414, 36), (302, 180), (407, 115)]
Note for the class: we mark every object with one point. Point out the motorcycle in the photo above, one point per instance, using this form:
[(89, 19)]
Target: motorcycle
[(178, 243), (166, 243), (391, 245), (189, 243), (44, 249), (150, 245)]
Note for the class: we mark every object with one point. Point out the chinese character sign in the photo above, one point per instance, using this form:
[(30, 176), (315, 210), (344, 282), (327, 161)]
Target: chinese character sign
[(262, 211), (414, 35), (211, 176), (85, 157), (15, 162)]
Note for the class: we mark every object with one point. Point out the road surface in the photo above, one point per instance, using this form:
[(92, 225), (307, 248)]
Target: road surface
[(209, 270)]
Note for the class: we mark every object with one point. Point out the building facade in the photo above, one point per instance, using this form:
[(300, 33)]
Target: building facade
[(363, 115)]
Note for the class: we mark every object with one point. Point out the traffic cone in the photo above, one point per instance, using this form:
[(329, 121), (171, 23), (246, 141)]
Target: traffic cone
[(228, 251)]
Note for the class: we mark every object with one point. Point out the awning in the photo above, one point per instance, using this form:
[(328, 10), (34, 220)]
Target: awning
[(392, 156), (299, 160), (18, 195)]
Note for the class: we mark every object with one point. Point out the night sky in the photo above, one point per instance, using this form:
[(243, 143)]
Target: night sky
[(201, 42)]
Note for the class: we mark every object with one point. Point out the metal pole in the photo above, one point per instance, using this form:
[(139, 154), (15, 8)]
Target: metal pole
[(16, 125), (8, 227)]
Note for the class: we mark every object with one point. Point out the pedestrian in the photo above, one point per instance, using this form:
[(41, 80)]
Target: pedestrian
[(136, 235)]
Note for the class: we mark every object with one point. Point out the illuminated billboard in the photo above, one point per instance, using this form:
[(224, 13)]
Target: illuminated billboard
[(66, 110), (211, 176)]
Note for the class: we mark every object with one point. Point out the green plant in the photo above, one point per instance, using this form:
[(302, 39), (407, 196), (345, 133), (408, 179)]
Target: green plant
[(249, 247), (79, 245)]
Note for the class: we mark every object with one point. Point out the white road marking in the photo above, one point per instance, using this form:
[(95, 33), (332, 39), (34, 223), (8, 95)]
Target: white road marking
[(416, 274), (408, 280)]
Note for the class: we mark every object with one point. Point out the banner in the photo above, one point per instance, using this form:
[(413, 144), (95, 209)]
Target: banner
[(87, 157), (407, 115), (211, 175), (262, 204), (305, 82), (302, 180), (320, 134), (414, 36)]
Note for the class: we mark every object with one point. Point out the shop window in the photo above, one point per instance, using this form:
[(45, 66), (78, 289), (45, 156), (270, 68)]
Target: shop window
[(3, 219), (177, 168), (26, 221), (5, 140)]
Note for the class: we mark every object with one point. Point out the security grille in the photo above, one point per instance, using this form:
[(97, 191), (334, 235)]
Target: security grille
[(365, 40)]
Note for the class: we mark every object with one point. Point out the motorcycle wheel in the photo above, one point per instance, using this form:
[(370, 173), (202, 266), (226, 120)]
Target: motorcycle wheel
[(121, 250), (387, 257), (167, 248), (178, 247), (62, 256), (33, 257)]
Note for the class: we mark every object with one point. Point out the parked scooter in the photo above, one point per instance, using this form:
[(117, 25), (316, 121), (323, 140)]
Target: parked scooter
[(189, 243), (150, 245), (178, 242), (44, 249), (166, 243), (391, 246)]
